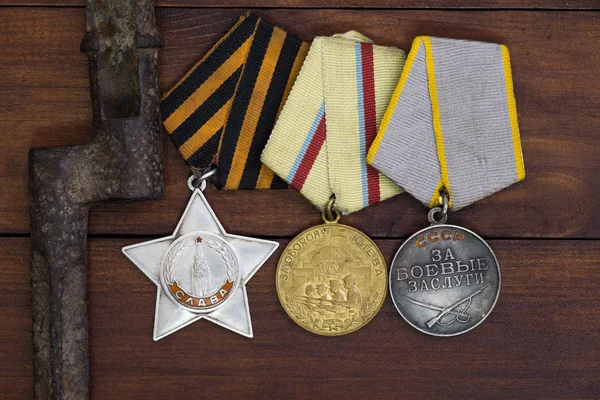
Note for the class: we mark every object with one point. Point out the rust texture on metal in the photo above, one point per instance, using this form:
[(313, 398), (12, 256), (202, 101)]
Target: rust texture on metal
[(123, 161)]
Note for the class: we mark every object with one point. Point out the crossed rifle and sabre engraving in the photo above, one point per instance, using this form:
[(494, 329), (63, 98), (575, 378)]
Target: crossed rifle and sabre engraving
[(459, 316)]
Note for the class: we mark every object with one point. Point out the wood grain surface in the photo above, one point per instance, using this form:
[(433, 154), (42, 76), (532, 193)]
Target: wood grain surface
[(426, 4), (541, 341), (45, 102)]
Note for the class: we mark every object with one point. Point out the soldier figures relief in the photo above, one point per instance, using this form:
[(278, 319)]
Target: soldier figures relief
[(341, 301), (331, 279)]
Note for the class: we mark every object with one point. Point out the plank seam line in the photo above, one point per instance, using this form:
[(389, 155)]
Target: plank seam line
[(455, 9), (275, 237)]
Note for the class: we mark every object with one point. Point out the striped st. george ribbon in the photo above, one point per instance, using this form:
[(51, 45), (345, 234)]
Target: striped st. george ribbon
[(223, 110), (330, 119), (452, 123)]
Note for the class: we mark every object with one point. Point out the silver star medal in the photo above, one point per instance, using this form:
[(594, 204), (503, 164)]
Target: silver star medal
[(200, 270)]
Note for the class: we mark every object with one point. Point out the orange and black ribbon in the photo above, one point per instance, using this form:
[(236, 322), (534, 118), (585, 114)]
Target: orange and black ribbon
[(223, 111)]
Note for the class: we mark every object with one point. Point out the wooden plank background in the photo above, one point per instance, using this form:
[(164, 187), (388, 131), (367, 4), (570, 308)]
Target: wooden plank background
[(409, 4), (543, 339)]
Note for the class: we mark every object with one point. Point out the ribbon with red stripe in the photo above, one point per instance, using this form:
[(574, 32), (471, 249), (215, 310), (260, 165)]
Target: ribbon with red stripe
[(365, 81), (330, 120)]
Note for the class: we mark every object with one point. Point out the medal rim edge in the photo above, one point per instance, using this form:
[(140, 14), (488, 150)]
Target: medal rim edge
[(209, 309), (487, 314), (382, 297)]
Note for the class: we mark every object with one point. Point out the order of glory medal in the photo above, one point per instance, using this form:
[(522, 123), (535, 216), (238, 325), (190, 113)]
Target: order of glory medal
[(219, 115), (200, 270), (450, 137), (332, 279)]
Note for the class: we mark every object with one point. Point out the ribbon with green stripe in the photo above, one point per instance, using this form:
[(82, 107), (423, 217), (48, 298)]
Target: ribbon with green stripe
[(223, 110)]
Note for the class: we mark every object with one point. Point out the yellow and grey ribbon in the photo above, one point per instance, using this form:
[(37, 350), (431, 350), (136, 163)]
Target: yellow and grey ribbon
[(330, 119), (452, 123), (224, 109)]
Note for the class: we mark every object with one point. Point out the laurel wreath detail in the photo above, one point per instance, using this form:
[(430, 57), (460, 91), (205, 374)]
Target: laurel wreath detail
[(173, 256), (226, 255), (305, 316), (212, 244)]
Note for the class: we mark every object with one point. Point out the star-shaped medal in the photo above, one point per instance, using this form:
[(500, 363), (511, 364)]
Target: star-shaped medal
[(200, 271)]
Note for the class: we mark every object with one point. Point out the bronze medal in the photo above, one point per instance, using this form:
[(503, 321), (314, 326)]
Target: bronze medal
[(331, 279)]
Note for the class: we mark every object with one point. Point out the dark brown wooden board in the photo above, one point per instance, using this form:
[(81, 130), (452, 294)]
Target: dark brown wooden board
[(541, 341), (426, 4), (45, 102)]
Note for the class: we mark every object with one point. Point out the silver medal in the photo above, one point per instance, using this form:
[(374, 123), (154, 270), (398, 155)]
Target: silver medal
[(444, 279), (200, 270)]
